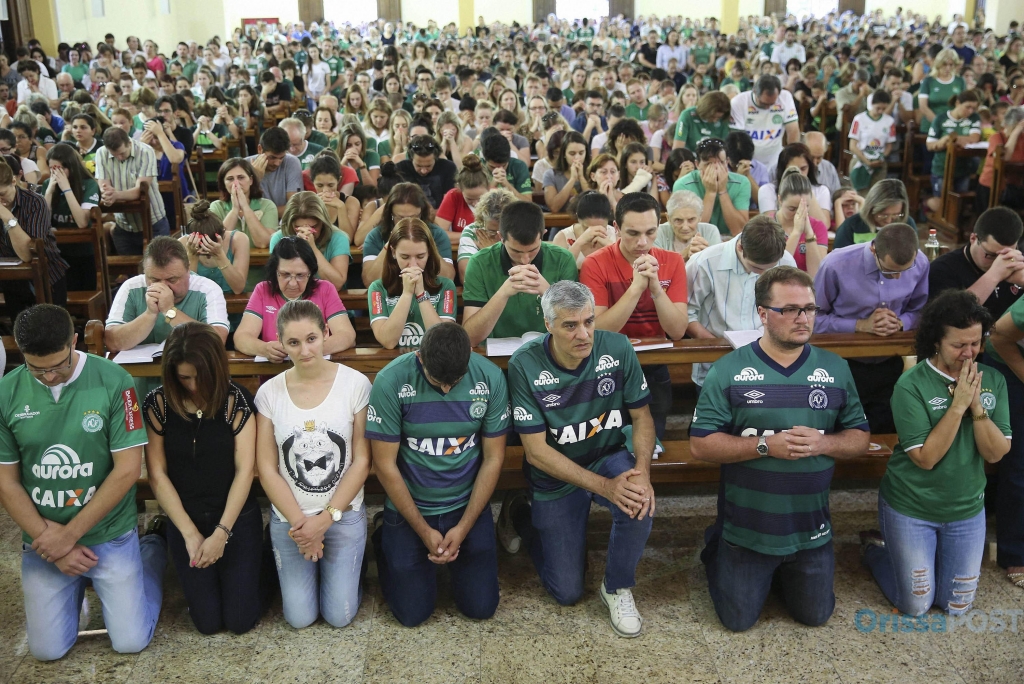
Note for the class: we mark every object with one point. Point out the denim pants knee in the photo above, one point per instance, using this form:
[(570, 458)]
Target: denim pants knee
[(740, 579), (925, 564), (408, 579), (328, 587), (128, 578), (556, 535)]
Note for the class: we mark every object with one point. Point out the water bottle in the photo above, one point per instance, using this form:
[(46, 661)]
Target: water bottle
[(931, 247)]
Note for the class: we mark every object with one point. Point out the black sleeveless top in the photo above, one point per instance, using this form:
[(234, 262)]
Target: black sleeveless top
[(200, 452)]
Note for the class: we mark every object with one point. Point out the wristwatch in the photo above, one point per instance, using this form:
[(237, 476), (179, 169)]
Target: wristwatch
[(333, 512), (170, 314), (762, 446), (983, 416), (10, 224)]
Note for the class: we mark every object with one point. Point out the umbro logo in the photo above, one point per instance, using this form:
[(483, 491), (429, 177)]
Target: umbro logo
[(754, 394), (820, 375), (545, 378), (938, 403), (748, 374)]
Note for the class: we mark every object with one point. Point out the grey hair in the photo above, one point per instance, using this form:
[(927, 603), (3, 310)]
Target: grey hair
[(884, 193), (565, 295), (684, 199), (1013, 116), (767, 82), (292, 122), (491, 204), (862, 75)]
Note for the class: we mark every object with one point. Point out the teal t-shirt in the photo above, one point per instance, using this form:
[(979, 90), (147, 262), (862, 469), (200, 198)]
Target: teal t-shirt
[(440, 435), (691, 129), (338, 246), (738, 188), (582, 411), (945, 124), (747, 394)]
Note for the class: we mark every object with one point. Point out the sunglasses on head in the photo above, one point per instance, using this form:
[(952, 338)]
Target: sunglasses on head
[(424, 148), (550, 117)]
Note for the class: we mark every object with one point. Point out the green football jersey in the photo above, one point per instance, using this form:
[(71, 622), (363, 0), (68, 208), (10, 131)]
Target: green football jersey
[(691, 129), (582, 410), (702, 55), (63, 446), (938, 94), (943, 125), (440, 435), (771, 505), (204, 303), (381, 304), (955, 488)]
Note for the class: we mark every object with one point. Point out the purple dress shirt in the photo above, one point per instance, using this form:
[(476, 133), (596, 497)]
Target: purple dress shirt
[(850, 286)]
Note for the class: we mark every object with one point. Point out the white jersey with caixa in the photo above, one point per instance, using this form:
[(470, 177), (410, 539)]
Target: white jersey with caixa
[(765, 126)]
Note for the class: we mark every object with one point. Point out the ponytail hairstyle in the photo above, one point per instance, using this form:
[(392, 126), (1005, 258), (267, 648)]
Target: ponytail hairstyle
[(472, 174), (794, 183), (965, 96), (417, 231)]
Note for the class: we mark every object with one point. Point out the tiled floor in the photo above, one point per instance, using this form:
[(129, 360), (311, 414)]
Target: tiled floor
[(531, 639)]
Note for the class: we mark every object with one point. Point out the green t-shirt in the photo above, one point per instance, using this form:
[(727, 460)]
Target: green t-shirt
[(204, 302), (586, 35), (747, 394), (938, 95), (582, 411), (337, 66), (743, 84), (44, 136), (488, 270), (60, 212), (63, 446), (954, 489), (266, 212), (381, 304), (306, 158), (1016, 312), (318, 138), (738, 188), (702, 55), (383, 149), (440, 435), (943, 125), (338, 245), (373, 245), (633, 111), (372, 159), (77, 72), (691, 129), (519, 175)]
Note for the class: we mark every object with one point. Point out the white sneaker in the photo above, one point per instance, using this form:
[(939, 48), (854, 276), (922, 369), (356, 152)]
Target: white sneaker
[(507, 535), (625, 618)]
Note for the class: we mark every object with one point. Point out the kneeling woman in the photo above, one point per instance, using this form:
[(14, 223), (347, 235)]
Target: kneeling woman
[(953, 418), (410, 296), (313, 459), (200, 458)]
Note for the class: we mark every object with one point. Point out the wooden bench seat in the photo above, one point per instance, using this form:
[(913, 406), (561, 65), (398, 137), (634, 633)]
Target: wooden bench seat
[(673, 466)]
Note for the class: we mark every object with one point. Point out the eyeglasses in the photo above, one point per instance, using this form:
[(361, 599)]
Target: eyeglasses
[(889, 218), (893, 274), (793, 312), (293, 277), (39, 372)]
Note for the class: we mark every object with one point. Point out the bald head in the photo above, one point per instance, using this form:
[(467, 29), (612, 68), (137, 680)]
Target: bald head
[(64, 82), (817, 144)]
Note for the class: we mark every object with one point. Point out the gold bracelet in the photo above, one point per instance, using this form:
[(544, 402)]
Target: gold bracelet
[(983, 416), (813, 238), (221, 268)]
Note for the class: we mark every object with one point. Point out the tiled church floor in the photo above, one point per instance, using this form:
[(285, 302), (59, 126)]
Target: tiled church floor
[(532, 639)]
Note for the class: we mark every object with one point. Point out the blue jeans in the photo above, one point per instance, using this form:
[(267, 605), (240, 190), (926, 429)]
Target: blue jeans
[(1010, 483), (555, 532), (127, 578), (329, 586), (127, 242), (925, 564), (408, 579), (740, 579)]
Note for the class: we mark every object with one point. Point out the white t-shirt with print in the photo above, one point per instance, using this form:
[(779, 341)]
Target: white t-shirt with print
[(872, 136), (765, 126), (314, 446)]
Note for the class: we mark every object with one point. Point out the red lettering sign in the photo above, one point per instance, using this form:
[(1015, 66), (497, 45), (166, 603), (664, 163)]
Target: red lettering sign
[(378, 305), (132, 412)]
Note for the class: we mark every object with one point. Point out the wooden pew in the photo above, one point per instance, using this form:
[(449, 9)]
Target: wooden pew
[(88, 305), (258, 257), (35, 271), (173, 188), (128, 265), (1005, 173), (948, 220), (915, 176)]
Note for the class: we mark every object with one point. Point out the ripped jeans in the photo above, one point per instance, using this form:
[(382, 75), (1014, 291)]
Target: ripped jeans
[(927, 563)]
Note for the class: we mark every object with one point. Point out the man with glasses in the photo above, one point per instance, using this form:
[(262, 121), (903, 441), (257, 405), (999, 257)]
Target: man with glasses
[(425, 168), (71, 438), (166, 107), (720, 283), (876, 287), (280, 172), (726, 194), (776, 413), (990, 265)]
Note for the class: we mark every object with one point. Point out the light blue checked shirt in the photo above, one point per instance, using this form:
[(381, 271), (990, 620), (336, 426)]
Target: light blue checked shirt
[(721, 293)]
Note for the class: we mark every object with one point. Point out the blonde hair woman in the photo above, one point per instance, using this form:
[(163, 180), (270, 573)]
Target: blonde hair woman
[(398, 136), (939, 86), (688, 96), (455, 144), (306, 217)]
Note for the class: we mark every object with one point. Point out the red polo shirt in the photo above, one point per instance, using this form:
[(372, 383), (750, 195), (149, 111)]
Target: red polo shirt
[(608, 275)]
